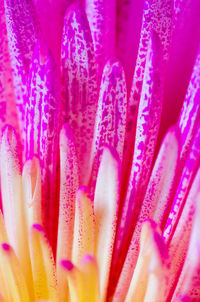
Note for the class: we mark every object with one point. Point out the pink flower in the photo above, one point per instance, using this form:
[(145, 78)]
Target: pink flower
[(100, 150)]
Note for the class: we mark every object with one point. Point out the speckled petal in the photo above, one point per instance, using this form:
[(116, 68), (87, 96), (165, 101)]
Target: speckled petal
[(189, 170), (50, 16), (188, 286), (69, 182), (190, 114), (149, 278), (155, 204), (111, 113), (179, 243), (10, 266), (8, 111), (157, 17), (21, 31), (84, 226), (78, 69), (146, 135), (106, 204), (43, 266), (42, 126), (13, 201), (129, 22), (31, 181), (101, 15)]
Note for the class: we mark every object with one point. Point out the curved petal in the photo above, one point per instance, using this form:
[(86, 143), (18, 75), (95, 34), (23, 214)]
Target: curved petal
[(78, 69)]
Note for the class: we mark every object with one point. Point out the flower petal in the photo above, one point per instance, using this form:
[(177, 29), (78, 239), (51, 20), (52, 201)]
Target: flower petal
[(83, 226), (8, 111), (157, 17), (111, 113), (129, 22), (13, 202), (102, 20), (72, 275), (43, 265), (11, 273), (21, 31), (183, 187), (42, 127), (78, 70), (31, 181), (190, 114), (51, 16), (106, 203), (148, 282), (148, 121), (69, 182), (189, 280), (155, 204), (179, 243), (89, 270)]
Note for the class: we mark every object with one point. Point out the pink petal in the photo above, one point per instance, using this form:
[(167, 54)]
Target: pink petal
[(51, 17), (101, 15), (155, 203), (106, 204), (79, 83), (111, 113), (189, 281), (13, 201), (42, 126), (21, 31), (84, 226), (146, 135), (184, 47), (69, 182), (190, 113), (129, 22), (181, 237), (157, 17), (149, 278), (8, 112), (183, 187)]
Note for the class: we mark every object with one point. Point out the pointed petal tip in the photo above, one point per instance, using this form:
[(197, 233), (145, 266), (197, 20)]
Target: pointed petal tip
[(37, 227), (109, 151), (31, 165), (10, 135), (66, 131), (67, 265), (88, 258), (83, 190), (150, 228), (5, 247)]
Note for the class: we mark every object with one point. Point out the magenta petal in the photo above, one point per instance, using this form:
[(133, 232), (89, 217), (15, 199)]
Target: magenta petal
[(51, 16), (189, 279), (79, 83), (183, 49), (42, 126), (157, 17), (146, 135), (69, 183), (155, 204), (189, 171), (111, 113), (190, 114), (129, 22), (21, 40), (8, 112), (180, 241), (101, 15)]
